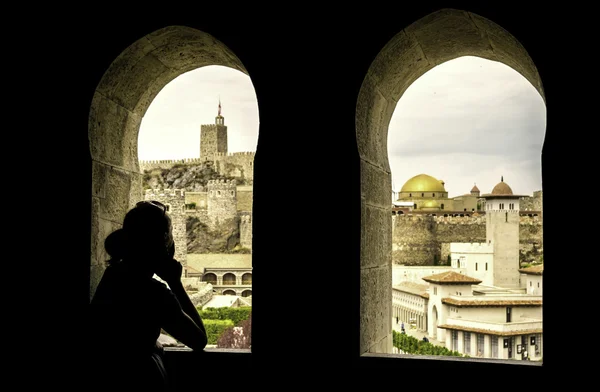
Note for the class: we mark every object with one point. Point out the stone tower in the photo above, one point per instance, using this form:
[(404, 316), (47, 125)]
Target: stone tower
[(502, 232), (213, 137), (221, 201), (174, 199)]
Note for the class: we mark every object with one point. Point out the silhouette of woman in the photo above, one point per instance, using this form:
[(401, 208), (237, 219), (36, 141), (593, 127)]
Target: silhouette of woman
[(130, 308)]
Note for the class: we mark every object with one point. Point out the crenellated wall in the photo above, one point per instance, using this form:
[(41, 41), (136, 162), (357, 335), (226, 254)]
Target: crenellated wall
[(168, 163), (422, 239), (237, 165), (234, 164)]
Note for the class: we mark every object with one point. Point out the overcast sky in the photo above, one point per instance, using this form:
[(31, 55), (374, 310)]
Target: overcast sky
[(467, 121), (170, 128)]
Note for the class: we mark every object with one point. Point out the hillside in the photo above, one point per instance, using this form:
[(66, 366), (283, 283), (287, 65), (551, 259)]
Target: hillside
[(193, 178)]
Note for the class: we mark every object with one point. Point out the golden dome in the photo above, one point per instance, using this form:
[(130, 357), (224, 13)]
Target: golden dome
[(502, 188), (423, 183)]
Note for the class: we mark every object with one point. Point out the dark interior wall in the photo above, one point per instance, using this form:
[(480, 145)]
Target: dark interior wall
[(307, 72)]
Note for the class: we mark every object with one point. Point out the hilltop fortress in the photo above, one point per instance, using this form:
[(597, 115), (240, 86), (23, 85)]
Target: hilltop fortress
[(216, 207), (213, 148)]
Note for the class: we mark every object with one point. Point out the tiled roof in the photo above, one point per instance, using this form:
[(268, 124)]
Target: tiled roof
[(490, 332), (451, 277), (533, 270), (491, 302), (412, 288)]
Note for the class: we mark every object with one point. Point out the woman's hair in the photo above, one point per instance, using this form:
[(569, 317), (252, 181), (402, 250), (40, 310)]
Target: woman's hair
[(143, 232)]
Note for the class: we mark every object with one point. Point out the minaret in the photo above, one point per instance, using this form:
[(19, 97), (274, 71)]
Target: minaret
[(502, 231), (213, 137)]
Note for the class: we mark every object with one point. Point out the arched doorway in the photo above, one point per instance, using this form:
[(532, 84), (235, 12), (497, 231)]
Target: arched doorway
[(434, 323), (432, 40), (120, 101)]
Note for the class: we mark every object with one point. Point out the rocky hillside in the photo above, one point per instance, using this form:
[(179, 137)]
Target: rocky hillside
[(193, 178), (224, 239)]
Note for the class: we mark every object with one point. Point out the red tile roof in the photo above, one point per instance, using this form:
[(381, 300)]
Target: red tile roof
[(451, 277)]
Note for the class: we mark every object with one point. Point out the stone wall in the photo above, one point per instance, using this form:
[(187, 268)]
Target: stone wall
[(204, 294), (420, 239), (531, 203), (246, 231), (175, 200), (213, 139), (238, 165)]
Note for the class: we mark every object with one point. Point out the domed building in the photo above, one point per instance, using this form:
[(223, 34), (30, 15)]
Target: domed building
[(426, 193)]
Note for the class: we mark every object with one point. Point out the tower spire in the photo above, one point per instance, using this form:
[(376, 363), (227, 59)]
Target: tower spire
[(501, 178), (219, 106)]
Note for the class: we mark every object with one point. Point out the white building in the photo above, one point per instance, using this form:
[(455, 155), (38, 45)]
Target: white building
[(484, 304)]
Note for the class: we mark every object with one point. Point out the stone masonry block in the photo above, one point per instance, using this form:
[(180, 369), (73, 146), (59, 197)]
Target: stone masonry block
[(450, 36), (375, 306), (398, 65), (115, 204), (373, 115), (106, 126), (122, 65), (376, 185), (133, 84), (99, 171), (376, 236)]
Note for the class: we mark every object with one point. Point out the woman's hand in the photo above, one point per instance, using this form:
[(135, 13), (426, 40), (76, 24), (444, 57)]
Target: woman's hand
[(169, 270)]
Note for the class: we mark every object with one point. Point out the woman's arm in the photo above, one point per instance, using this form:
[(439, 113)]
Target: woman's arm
[(186, 325)]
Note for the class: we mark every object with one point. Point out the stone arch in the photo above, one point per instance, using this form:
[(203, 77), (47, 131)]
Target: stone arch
[(434, 323), (247, 293), (229, 279), (119, 103), (432, 40), (229, 292), (247, 278), (210, 278)]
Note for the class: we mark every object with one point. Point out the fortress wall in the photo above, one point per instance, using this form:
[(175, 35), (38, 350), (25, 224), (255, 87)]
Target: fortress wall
[(425, 240), (236, 164), (413, 240), (167, 163)]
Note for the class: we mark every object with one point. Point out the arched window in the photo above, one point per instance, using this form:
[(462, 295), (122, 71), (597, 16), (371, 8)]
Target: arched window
[(390, 79)]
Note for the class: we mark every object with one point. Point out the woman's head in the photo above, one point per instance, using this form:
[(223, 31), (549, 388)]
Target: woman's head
[(147, 232)]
